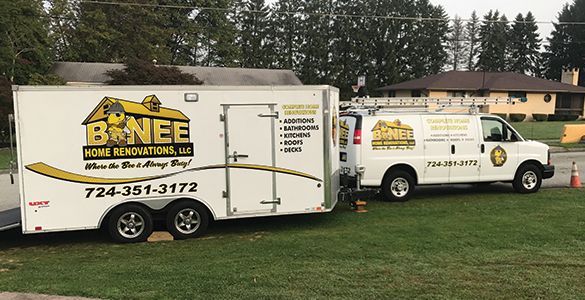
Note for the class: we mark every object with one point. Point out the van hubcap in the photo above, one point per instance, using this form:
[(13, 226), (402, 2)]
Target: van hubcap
[(529, 180), (399, 187), (130, 225), (187, 221)]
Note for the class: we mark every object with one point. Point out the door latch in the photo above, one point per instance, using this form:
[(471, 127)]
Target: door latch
[(272, 115), (235, 156), (275, 201)]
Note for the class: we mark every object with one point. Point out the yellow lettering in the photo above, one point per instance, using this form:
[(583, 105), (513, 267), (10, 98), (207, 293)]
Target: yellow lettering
[(181, 132), (140, 131), (162, 131), (96, 133)]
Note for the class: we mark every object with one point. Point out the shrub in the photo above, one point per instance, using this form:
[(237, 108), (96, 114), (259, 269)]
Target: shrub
[(563, 117), (503, 116), (540, 117), (517, 117), (555, 117), (571, 117)]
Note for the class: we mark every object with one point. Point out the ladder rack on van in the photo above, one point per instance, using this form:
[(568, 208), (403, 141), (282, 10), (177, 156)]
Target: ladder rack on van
[(423, 103)]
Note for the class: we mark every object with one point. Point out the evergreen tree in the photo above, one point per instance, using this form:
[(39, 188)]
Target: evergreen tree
[(456, 44), (493, 36), (427, 40), (316, 32), (254, 34), (566, 42), (286, 21), (524, 45), (24, 42), (115, 33), (217, 41), (182, 32), (472, 36), (348, 45)]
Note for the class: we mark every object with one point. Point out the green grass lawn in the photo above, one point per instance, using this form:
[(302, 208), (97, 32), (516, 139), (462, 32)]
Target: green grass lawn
[(542, 130), (446, 243), (4, 158)]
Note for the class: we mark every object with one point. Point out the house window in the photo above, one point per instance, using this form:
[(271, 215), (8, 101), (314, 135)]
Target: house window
[(391, 93), (518, 95), (415, 93)]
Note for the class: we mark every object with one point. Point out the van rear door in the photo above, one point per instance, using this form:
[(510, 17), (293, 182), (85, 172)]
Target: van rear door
[(349, 146)]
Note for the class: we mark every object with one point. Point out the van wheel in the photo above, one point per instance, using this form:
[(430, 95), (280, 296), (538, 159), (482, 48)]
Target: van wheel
[(528, 179), (397, 186), (130, 224), (187, 219)]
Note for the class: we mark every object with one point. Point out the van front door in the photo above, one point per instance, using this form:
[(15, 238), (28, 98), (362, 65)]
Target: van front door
[(249, 144), (499, 151)]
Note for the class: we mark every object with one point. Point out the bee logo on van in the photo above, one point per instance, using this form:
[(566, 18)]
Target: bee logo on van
[(498, 156), (388, 135), (343, 133), (122, 129)]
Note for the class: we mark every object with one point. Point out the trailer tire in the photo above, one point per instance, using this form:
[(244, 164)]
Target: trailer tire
[(528, 179), (397, 186), (130, 223), (187, 220)]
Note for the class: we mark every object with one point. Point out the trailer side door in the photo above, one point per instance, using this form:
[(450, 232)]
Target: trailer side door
[(249, 145)]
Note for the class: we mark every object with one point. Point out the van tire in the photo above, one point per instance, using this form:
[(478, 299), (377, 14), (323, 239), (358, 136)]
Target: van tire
[(528, 179), (187, 220), (130, 223), (397, 186)]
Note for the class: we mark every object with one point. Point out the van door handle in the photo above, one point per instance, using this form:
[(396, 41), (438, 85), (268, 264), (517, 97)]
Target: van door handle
[(482, 148), (452, 149)]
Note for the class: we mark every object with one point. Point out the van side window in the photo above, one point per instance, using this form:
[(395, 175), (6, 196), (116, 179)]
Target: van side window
[(512, 137), (493, 130)]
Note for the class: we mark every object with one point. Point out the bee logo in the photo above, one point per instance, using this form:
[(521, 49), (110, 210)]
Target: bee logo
[(498, 156)]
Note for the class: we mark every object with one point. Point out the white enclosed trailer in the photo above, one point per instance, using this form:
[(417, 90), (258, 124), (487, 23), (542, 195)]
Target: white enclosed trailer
[(121, 156)]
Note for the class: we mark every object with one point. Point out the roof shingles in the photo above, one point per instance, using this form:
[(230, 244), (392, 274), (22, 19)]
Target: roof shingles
[(470, 81)]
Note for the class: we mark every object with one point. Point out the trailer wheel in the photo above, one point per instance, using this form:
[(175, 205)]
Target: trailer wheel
[(397, 186), (130, 224), (187, 219), (528, 179)]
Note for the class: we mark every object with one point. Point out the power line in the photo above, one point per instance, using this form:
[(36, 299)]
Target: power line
[(332, 14)]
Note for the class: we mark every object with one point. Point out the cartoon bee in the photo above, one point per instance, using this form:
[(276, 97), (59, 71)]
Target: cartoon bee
[(116, 122), (498, 156)]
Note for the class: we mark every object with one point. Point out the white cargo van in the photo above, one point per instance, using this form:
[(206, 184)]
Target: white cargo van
[(121, 156), (392, 144)]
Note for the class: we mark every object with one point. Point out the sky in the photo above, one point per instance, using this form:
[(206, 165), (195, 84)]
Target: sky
[(543, 10)]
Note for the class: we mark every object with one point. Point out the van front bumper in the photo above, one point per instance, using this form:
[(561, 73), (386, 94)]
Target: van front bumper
[(549, 171)]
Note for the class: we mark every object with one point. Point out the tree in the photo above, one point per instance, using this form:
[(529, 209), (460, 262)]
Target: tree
[(493, 36), (254, 34), (316, 32), (62, 26), (118, 32), (565, 49), (472, 37), (139, 72), (24, 43), (524, 45), (287, 30), (217, 40), (456, 44)]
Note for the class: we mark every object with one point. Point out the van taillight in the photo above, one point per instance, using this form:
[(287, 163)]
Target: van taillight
[(549, 161), (357, 137)]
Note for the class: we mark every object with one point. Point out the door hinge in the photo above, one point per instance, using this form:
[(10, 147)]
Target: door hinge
[(221, 117)]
